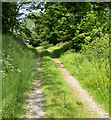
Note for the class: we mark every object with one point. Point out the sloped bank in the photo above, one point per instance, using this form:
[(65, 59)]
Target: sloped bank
[(19, 64)]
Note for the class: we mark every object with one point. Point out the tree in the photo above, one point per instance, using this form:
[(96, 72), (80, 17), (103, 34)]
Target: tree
[(9, 13)]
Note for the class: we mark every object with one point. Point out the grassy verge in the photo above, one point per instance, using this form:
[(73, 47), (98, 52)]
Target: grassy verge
[(89, 74), (59, 101), (91, 69), (60, 48), (19, 65)]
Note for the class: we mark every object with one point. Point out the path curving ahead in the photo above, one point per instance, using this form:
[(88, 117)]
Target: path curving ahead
[(93, 109), (34, 99)]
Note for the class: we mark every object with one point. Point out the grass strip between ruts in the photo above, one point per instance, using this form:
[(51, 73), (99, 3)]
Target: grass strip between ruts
[(59, 101)]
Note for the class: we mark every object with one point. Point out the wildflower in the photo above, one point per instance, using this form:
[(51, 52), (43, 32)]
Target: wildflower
[(77, 31), (1, 71), (3, 54), (18, 70), (6, 62), (4, 74), (12, 67), (0, 60), (8, 56), (107, 79), (11, 59)]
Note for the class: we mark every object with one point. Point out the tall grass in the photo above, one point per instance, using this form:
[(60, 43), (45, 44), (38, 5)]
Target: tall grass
[(60, 48), (93, 75), (19, 65), (91, 67), (59, 101)]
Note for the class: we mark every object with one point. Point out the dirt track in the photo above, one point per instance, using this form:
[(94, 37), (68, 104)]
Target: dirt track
[(34, 99), (93, 109)]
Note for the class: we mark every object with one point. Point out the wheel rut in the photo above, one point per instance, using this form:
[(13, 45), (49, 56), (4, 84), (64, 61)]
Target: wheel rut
[(93, 109), (35, 108)]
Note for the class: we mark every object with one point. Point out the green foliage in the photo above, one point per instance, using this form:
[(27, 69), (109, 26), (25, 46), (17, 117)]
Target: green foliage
[(77, 22), (59, 100), (86, 28), (45, 44), (91, 67), (60, 50), (92, 28), (9, 14), (98, 48), (93, 75), (18, 70), (59, 22)]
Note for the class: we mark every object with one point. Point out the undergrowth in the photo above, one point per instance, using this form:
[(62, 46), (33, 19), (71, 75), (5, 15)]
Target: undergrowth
[(59, 101), (19, 64), (90, 75), (60, 48), (91, 67)]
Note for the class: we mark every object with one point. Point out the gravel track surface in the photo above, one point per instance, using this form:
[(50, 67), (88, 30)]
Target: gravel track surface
[(34, 99)]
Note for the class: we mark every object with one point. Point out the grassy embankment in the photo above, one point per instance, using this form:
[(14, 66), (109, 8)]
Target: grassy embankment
[(59, 101), (19, 65), (90, 66)]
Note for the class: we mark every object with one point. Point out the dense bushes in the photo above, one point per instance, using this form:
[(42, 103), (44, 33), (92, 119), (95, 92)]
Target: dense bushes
[(92, 27), (91, 67), (89, 61), (80, 23), (59, 51)]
